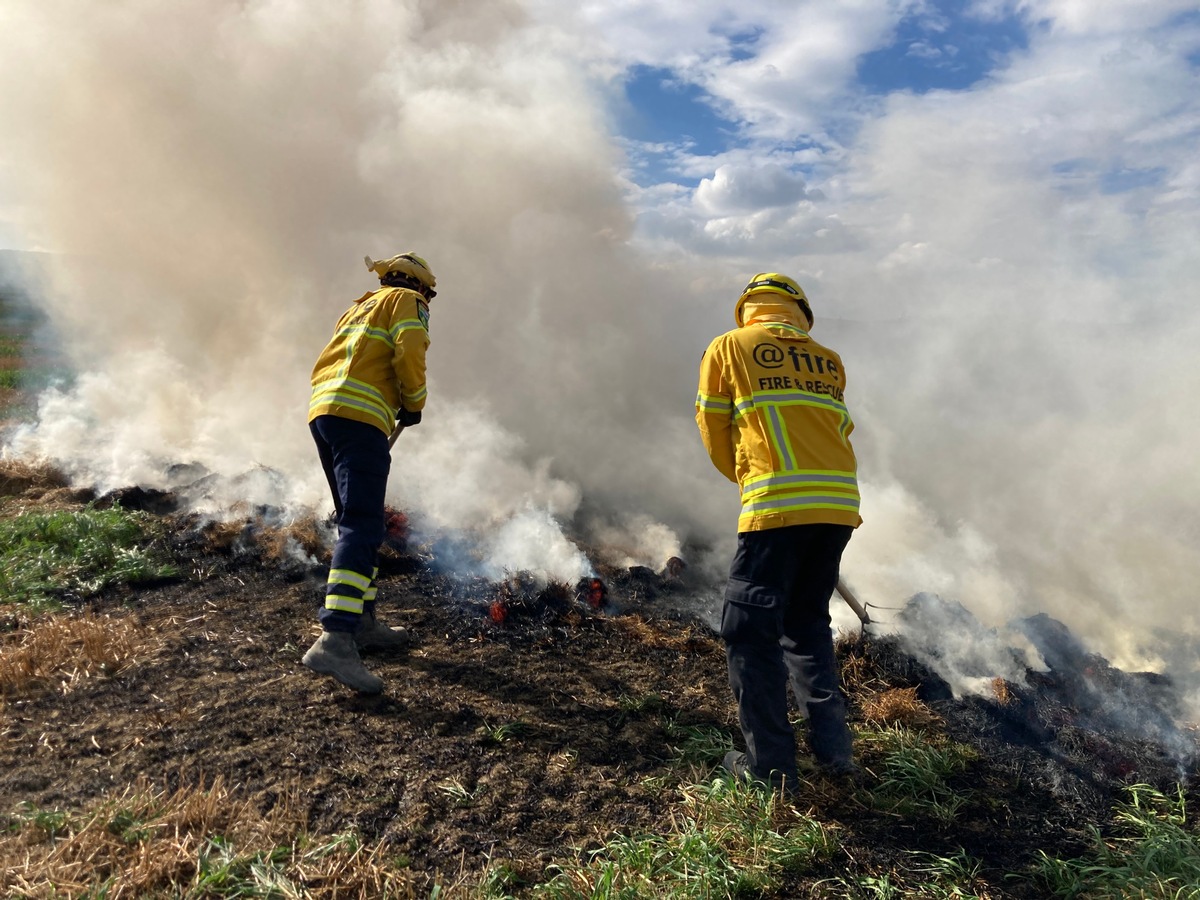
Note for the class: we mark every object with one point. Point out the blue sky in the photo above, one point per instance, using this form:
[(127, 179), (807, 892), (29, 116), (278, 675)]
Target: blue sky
[(942, 46)]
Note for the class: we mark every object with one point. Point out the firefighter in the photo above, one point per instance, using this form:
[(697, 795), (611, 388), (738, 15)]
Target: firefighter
[(369, 379), (773, 419)]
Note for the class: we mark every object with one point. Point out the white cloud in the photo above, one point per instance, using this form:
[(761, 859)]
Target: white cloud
[(1092, 17), (746, 189)]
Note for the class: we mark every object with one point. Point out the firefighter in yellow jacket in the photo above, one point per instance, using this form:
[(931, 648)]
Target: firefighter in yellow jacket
[(772, 415), (369, 380)]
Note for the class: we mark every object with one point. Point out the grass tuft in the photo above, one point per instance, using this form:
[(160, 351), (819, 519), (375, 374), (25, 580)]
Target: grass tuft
[(915, 770), (898, 706), (194, 843), (67, 649), (1153, 852), (48, 555), (729, 839)]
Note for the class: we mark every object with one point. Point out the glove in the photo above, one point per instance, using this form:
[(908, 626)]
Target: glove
[(406, 418)]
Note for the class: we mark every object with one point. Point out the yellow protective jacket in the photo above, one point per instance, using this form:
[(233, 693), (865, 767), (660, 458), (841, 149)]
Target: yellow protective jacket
[(376, 360), (773, 418)]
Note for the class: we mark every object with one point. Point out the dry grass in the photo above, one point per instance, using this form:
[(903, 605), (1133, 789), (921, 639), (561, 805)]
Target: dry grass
[(859, 678), (277, 544), (1004, 695), (685, 640), (898, 706), (68, 648), (195, 842), (18, 475)]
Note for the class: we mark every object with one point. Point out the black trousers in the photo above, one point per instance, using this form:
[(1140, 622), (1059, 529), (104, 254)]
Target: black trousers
[(356, 460), (775, 624)]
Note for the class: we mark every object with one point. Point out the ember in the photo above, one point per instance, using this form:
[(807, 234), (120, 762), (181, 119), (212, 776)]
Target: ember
[(396, 526), (593, 592)]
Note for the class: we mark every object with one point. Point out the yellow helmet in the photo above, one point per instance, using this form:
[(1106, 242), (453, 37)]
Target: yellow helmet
[(405, 264), (775, 283)]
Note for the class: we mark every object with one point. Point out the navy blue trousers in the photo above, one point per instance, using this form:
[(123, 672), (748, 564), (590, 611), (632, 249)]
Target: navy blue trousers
[(356, 460), (775, 624)]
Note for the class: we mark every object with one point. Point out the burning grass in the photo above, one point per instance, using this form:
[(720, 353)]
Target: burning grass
[(190, 843), (278, 545), (66, 649)]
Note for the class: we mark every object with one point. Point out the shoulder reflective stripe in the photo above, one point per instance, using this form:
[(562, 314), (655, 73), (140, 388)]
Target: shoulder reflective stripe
[(370, 331), (378, 334), (344, 604), (407, 325), (804, 501), (347, 577), (779, 438)]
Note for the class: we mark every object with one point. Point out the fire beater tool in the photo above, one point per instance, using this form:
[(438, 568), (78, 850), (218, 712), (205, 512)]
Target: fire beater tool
[(395, 434)]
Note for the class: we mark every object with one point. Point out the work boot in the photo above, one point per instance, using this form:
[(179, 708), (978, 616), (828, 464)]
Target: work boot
[(737, 764), (373, 635), (841, 768), (334, 653)]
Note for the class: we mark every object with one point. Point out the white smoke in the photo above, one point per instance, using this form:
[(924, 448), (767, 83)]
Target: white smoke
[(1006, 270)]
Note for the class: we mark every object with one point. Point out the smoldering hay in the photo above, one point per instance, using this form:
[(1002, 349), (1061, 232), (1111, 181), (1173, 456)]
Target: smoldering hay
[(209, 177)]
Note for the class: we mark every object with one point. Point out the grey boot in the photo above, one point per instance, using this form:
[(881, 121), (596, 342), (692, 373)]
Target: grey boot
[(334, 653), (738, 765), (372, 635)]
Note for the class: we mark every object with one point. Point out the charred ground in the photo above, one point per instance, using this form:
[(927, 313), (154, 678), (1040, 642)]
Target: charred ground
[(529, 741)]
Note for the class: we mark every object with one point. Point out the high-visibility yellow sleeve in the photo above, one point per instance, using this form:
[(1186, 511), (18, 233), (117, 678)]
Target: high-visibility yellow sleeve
[(714, 415), (409, 364)]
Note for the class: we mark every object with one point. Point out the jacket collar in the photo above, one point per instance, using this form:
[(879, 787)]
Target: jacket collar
[(751, 311)]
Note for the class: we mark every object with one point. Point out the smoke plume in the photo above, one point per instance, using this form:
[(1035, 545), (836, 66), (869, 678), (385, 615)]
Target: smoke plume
[(1019, 343)]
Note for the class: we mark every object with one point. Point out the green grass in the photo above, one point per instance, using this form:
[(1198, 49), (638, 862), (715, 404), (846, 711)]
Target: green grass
[(1152, 852), (915, 772), (729, 840), (697, 744), (47, 556), (929, 877)]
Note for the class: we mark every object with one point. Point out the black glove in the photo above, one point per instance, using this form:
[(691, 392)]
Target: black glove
[(406, 418)]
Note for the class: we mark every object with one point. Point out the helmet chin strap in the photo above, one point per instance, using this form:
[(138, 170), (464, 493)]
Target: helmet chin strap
[(399, 279), (807, 310)]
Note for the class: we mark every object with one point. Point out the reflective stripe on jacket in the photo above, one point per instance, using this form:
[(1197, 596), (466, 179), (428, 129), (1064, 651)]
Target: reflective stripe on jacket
[(376, 360), (773, 418)]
